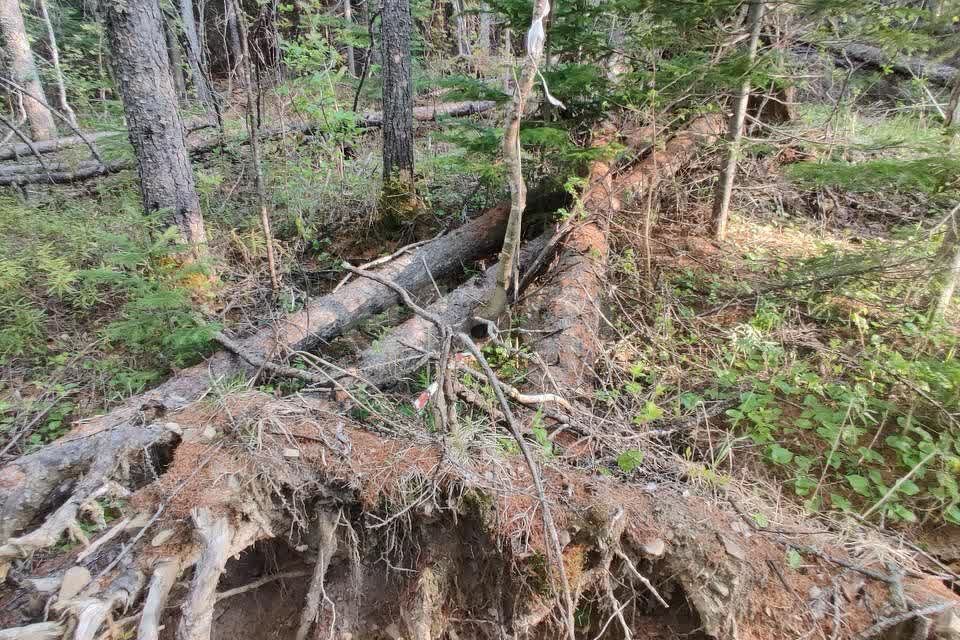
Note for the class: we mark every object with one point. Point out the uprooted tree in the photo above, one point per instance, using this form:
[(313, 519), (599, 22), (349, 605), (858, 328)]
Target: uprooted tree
[(549, 404)]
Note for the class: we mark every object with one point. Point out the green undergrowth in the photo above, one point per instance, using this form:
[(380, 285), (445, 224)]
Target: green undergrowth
[(836, 381), (94, 293)]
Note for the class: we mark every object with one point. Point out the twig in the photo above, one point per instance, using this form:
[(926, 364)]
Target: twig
[(16, 131), (16, 87), (279, 369), (384, 259), (888, 623), (256, 584), (642, 578)]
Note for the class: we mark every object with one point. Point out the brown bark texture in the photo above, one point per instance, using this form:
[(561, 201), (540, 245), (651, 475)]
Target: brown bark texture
[(142, 71), (568, 305), (396, 24)]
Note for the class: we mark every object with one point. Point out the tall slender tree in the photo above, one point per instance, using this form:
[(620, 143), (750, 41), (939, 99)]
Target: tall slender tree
[(194, 56), (398, 175), (142, 71), (728, 173), (23, 69), (55, 60)]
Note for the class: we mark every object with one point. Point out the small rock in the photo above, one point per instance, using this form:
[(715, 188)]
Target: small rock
[(174, 427), (209, 433), (291, 453), (654, 548), (75, 579), (161, 537), (733, 548), (815, 592), (393, 631), (564, 537)]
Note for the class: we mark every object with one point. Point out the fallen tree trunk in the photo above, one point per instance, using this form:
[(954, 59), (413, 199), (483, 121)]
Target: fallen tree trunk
[(34, 174), (53, 146), (567, 308), (27, 481), (877, 58), (401, 352)]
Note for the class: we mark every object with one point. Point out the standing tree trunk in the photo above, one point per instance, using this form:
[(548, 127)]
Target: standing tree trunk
[(536, 39), (55, 59), (255, 152), (176, 62), (348, 18), (142, 71), (947, 265), (233, 41), (399, 188), (193, 53), (463, 43), (953, 106), (23, 69), (728, 173), (486, 24)]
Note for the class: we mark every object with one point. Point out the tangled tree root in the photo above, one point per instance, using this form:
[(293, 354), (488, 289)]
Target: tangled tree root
[(446, 547)]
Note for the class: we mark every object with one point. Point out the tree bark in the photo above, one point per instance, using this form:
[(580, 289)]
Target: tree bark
[(953, 105), (498, 302), (486, 29), (55, 59), (193, 53), (233, 39), (399, 189), (348, 18), (176, 61), (142, 70), (23, 69), (728, 173)]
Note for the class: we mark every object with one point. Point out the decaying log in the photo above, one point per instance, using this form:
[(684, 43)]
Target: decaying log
[(99, 443), (569, 304), (875, 57), (52, 146), (34, 174), (401, 352)]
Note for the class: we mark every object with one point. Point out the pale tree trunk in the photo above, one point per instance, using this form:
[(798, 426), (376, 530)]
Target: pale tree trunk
[(486, 21), (348, 17), (948, 263), (193, 53), (953, 106), (55, 59), (498, 303), (23, 70), (463, 43), (728, 173), (255, 151), (142, 72), (399, 195), (176, 62)]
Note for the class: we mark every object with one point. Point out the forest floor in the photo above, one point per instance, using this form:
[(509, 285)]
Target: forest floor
[(740, 461)]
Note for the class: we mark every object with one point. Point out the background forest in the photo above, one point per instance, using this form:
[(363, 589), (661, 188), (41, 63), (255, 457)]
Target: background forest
[(602, 318)]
